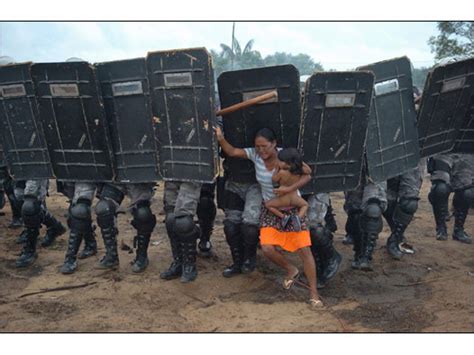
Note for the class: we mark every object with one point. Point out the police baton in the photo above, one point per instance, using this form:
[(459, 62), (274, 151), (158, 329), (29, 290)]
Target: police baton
[(247, 103)]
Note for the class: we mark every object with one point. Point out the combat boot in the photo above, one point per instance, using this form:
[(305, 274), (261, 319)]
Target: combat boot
[(110, 259), (55, 229), (189, 272), (90, 245), (366, 257), (17, 222), (440, 211), (21, 239), (357, 248), (140, 242), (236, 267), (250, 235), (70, 262), (176, 268), (348, 239), (459, 234), (28, 254), (394, 241), (205, 245)]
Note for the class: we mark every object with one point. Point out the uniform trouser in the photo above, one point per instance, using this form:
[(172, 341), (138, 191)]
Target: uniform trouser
[(243, 203), (450, 172), (37, 191), (368, 202), (403, 193), (180, 201), (111, 197), (324, 253), (8, 185)]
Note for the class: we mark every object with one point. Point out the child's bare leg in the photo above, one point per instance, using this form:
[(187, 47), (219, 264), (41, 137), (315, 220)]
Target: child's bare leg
[(274, 204), (279, 259), (309, 270), (301, 204)]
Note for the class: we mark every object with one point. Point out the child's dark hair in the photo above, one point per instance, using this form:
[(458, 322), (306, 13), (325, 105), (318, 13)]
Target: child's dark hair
[(293, 158), (266, 133)]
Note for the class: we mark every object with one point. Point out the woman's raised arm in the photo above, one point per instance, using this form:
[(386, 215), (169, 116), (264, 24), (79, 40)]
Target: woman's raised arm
[(228, 149)]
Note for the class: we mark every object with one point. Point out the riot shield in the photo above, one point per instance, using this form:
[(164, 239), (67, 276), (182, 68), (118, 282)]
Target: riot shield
[(23, 138), (465, 139), (3, 163), (182, 93), (126, 96), (444, 105), (392, 137), (74, 121), (332, 139), (282, 114)]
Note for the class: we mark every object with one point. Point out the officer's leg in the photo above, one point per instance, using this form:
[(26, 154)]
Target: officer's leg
[(185, 228), (250, 227), (15, 204), (33, 214), (393, 188), (463, 199), (170, 196), (206, 212), (144, 222), (87, 190), (440, 169), (326, 257), (404, 210), (234, 207), (110, 198), (19, 191), (330, 218), (374, 202), (54, 227), (80, 224), (353, 208)]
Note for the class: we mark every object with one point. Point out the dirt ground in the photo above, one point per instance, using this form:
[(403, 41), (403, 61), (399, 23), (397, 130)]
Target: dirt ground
[(430, 291)]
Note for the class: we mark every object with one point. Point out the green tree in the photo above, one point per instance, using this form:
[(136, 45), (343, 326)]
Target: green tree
[(419, 76), (456, 38), (304, 63), (241, 59)]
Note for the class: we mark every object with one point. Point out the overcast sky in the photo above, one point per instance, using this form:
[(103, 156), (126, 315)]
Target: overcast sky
[(336, 45)]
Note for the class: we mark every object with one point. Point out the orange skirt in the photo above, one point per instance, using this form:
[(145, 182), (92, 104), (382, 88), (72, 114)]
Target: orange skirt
[(289, 241)]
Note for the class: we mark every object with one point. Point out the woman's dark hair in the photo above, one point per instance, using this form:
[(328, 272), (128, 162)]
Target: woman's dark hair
[(293, 158), (266, 133)]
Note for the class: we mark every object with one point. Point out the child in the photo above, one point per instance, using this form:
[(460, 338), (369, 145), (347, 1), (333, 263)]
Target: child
[(289, 171)]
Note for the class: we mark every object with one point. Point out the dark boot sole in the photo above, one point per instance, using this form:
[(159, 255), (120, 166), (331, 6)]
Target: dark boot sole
[(22, 266), (169, 278), (88, 255)]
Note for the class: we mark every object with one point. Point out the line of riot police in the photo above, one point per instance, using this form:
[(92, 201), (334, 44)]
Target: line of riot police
[(116, 128)]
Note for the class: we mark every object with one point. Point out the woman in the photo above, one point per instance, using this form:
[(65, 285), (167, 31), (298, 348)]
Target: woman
[(265, 158)]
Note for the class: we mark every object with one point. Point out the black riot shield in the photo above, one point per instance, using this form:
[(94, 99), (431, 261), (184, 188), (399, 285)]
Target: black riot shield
[(282, 114), (465, 139), (182, 92), (74, 121), (335, 118), (444, 105), (126, 96), (24, 144), (392, 137), (3, 163)]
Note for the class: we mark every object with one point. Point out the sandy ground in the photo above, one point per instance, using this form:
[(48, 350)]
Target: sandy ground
[(430, 291)]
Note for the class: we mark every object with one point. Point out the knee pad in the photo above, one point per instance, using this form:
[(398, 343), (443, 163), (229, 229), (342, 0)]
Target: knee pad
[(206, 209), (32, 212), (439, 192), (463, 199), (405, 210), (105, 211), (186, 228), (169, 223), (320, 236), (250, 234), (80, 216), (232, 232), (144, 220), (373, 210)]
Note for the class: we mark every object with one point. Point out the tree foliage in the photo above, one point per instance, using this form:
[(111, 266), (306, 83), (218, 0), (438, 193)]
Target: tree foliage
[(456, 38), (236, 58)]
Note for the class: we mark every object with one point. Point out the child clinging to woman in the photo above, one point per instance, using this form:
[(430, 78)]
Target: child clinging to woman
[(289, 171)]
